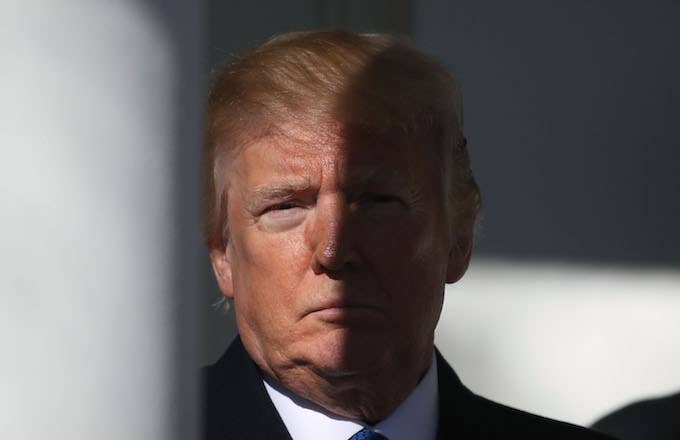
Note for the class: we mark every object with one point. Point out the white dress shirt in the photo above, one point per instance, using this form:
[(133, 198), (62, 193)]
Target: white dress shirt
[(415, 418)]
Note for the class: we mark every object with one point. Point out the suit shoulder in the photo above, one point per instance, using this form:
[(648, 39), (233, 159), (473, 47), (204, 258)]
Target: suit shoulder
[(235, 404), (501, 420), (646, 419), (464, 414)]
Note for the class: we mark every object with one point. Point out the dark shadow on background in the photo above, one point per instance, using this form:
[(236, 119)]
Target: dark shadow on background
[(240, 24), (187, 35), (571, 116)]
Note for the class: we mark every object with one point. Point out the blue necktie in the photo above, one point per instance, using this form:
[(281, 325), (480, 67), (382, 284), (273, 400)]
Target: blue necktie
[(367, 434)]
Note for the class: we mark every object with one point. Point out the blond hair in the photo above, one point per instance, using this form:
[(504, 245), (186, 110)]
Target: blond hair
[(375, 80)]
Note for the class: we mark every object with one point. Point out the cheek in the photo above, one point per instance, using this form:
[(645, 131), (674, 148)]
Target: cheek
[(405, 244), (267, 271), (409, 260)]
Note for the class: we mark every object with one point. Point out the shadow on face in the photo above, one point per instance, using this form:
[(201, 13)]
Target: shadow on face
[(341, 235)]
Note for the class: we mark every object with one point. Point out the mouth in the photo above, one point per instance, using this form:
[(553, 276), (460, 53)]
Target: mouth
[(337, 313)]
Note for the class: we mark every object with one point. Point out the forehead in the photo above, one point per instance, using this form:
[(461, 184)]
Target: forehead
[(354, 151)]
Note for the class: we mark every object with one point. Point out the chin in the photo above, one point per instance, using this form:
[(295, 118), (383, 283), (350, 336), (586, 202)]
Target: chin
[(342, 352)]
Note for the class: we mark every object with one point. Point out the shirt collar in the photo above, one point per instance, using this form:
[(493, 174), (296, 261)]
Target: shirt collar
[(415, 417)]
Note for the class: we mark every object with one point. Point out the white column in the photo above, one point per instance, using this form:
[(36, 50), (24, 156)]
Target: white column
[(91, 278)]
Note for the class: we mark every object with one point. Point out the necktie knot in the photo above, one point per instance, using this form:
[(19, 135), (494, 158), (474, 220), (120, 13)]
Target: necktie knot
[(367, 434)]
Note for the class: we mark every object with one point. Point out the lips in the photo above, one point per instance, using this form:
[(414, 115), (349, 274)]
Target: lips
[(338, 311), (337, 303)]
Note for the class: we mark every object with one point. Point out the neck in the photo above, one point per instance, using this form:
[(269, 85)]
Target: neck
[(369, 396)]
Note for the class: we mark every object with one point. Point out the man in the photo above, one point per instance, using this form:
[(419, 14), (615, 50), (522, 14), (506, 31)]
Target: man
[(339, 201)]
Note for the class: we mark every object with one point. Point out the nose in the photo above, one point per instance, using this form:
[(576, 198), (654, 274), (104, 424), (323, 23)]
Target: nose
[(330, 237)]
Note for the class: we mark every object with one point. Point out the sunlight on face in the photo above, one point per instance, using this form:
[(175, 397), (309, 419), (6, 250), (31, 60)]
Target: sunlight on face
[(338, 252)]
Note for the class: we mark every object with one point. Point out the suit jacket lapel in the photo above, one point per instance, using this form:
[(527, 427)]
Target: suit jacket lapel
[(458, 414), (236, 404)]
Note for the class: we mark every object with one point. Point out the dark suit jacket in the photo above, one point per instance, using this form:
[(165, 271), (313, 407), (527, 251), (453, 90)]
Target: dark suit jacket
[(237, 406), (653, 419)]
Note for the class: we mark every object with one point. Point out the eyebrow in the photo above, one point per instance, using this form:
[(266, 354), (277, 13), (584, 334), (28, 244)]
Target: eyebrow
[(275, 191), (381, 175), (257, 198)]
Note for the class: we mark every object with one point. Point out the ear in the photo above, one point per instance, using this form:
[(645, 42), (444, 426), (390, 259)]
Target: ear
[(459, 259), (221, 264)]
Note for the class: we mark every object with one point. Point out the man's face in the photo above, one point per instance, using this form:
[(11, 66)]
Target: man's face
[(338, 250)]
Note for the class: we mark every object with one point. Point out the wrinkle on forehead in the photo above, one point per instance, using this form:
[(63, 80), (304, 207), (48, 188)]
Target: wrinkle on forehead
[(317, 131), (292, 135), (354, 162)]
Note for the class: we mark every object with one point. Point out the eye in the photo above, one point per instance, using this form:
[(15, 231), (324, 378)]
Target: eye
[(380, 206), (383, 198), (282, 207), (286, 208), (282, 216), (380, 199)]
